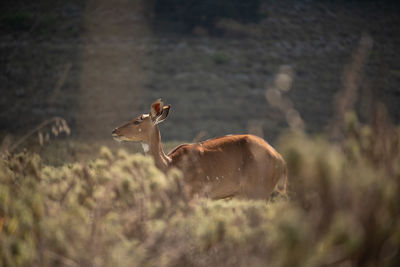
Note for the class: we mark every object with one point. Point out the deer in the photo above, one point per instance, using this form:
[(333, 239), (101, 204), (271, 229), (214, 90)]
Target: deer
[(240, 165)]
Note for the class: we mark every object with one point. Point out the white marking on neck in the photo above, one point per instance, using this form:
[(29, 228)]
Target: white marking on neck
[(145, 147)]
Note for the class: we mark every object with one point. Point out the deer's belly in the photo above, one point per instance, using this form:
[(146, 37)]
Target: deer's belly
[(211, 177), (219, 185)]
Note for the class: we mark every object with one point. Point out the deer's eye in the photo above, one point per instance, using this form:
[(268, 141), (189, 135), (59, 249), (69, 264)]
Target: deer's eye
[(136, 122)]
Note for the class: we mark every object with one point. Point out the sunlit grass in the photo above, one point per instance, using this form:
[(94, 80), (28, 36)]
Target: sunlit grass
[(117, 209)]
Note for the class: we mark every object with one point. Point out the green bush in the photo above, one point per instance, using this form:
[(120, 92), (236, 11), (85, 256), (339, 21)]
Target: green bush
[(221, 58), (17, 21), (119, 210)]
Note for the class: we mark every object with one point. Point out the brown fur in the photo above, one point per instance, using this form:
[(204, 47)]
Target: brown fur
[(237, 165)]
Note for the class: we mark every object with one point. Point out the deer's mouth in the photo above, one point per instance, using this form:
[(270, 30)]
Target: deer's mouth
[(119, 138), (116, 137)]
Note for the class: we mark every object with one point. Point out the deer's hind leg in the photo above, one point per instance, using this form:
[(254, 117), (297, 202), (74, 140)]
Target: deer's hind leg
[(257, 181)]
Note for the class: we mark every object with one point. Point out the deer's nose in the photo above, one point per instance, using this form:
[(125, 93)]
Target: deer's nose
[(115, 131)]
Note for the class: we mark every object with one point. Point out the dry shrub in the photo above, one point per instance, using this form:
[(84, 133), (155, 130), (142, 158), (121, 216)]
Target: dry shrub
[(120, 210), (80, 215), (348, 192)]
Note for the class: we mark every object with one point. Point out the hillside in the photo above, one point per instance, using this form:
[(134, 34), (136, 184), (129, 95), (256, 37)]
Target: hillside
[(98, 64)]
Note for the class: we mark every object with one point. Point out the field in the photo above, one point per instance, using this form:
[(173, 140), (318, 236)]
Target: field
[(319, 80), (119, 210)]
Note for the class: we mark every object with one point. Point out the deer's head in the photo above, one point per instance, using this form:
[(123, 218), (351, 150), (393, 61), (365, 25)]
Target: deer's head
[(141, 128)]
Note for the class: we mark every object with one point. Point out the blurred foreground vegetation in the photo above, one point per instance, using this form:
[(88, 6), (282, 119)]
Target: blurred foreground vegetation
[(342, 209)]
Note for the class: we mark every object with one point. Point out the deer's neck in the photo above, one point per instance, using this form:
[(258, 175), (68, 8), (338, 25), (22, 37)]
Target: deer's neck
[(156, 150)]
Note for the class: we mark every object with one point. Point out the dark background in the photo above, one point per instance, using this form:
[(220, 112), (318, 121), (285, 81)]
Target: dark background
[(99, 63)]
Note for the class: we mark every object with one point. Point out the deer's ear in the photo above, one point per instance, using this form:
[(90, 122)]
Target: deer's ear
[(156, 109), (164, 114)]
